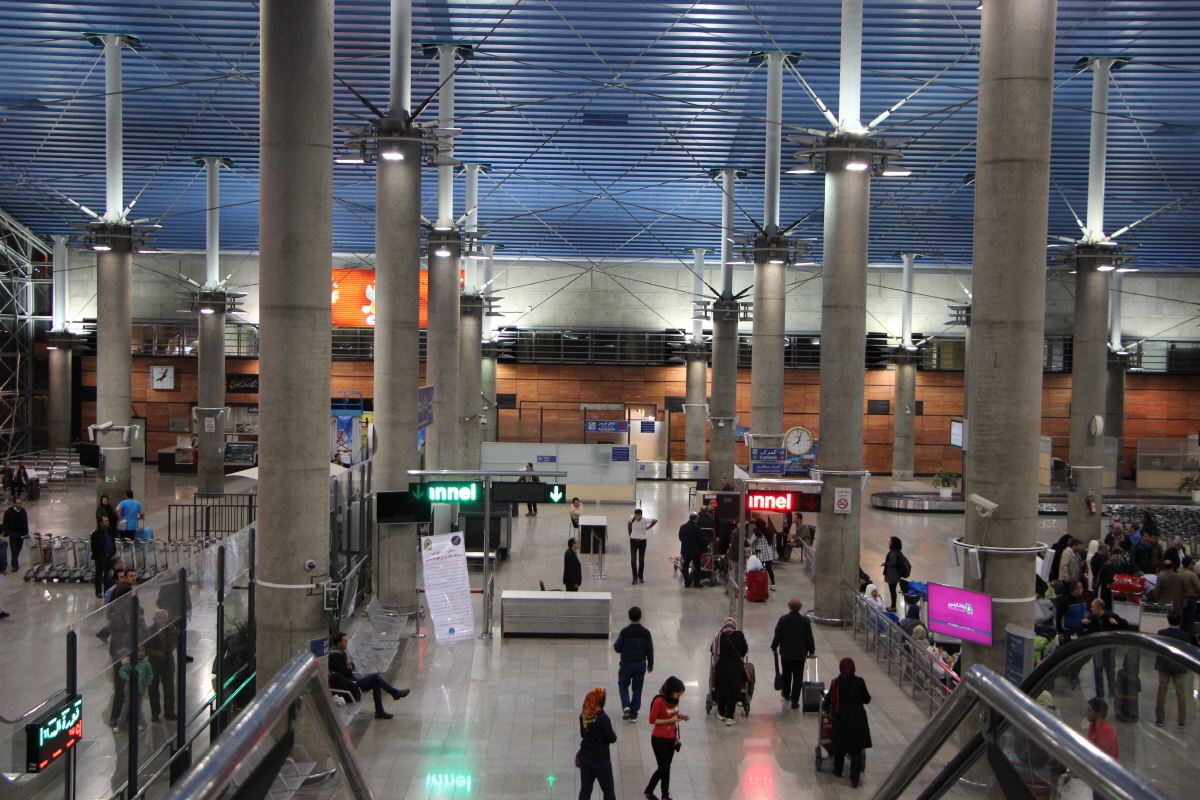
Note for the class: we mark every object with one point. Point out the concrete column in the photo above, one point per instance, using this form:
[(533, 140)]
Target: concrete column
[(487, 387), (210, 467), (442, 349), (843, 333), (904, 398), (114, 361), (1012, 182), (1089, 390), (470, 381), (723, 404), (58, 413), (296, 234), (695, 434)]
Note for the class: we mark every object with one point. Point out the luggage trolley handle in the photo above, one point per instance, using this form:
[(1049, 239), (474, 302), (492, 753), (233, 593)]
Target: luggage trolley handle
[(815, 670)]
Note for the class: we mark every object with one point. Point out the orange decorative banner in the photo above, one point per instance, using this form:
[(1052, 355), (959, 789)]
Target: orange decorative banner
[(353, 298)]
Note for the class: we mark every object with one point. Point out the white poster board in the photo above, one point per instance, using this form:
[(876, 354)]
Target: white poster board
[(447, 587)]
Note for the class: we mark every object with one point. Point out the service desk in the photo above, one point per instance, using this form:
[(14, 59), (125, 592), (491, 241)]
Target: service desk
[(591, 529), (555, 614)]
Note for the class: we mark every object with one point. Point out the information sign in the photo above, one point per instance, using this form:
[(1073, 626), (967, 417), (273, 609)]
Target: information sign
[(843, 500), (647, 426), (424, 407), (555, 493), (401, 507), (53, 732), (620, 454), (767, 467), (447, 587), (606, 426), (547, 459), (778, 502), (767, 454), (447, 491)]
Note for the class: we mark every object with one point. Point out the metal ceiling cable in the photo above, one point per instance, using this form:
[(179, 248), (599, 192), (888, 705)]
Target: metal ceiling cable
[(193, 34), (932, 249), (1070, 208)]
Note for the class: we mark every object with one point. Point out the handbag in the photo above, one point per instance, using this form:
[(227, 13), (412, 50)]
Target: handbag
[(577, 760), (778, 675)]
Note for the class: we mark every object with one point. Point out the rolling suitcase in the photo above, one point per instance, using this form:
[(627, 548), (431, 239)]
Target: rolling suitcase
[(812, 692), (756, 586)]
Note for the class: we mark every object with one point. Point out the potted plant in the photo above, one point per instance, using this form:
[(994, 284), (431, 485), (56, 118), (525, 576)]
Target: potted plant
[(1191, 483), (946, 482)]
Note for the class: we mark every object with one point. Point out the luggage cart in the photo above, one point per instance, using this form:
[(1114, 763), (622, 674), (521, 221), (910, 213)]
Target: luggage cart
[(825, 740), (45, 558), (87, 571), (61, 559), (744, 695)]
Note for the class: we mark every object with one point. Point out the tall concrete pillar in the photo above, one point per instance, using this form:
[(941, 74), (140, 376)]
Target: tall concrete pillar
[(491, 351), (58, 413), (114, 362), (1012, 183), (904, 398), (843, 331), (843, 334), (1114, 421), (210, 466), (470, 381), (445, 260), (397, 317), (1089, 390), (114, 292), (695, 433), (296, 235), (770, 275), (722, 409)]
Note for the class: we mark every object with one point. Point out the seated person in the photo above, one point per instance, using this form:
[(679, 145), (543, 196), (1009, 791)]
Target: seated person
[(341, 677)]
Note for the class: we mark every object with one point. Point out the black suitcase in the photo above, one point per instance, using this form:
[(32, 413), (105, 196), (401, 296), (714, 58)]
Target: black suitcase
[(811, 692)]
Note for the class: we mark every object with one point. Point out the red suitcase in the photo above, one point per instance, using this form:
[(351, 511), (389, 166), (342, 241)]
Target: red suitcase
[(756, 586)]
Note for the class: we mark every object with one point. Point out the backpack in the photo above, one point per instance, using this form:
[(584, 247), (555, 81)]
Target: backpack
[(903, 565), (1073, 618)]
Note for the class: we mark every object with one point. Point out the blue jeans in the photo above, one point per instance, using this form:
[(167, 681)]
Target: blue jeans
[(635, 672), (378, 686)]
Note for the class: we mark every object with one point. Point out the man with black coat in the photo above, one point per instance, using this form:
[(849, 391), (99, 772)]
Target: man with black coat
[(1104, 662), (693, 543), (1171, 672), (103, 548), (341, 677), (572, 569), (160, 650), (793, 643), (16, 528), (636, 647)]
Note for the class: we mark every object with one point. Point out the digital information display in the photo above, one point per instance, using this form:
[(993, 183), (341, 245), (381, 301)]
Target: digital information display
[(53, 733), (961, 614), (779, 502)]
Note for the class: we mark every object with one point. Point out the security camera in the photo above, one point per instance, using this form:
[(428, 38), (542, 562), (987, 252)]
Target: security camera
[(310, 565), (984, 506)]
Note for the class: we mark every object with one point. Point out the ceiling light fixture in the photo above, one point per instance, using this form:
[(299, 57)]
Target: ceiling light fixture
[(442, 252), (206, 310), (1105, 268), (102, 248), (856, 166), (392, 155), (350, 158), (1127, 269)]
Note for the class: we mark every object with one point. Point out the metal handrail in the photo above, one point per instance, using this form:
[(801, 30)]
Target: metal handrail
[(982, 686), (1038, 680), (300, 677)]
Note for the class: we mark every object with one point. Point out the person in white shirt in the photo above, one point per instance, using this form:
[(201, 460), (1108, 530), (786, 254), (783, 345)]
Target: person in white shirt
[(638, 526)]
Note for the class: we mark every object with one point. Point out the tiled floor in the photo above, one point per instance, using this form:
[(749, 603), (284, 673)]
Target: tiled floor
[(497, 719)]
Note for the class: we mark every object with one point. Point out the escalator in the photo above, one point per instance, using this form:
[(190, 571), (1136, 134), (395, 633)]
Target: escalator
[(995, 740)]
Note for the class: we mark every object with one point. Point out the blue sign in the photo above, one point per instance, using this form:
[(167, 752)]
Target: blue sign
[(424, 407), (319, 647), (620, 454), (767, 467), (607, 426), (647, 426), (767, 454), (740, 431), (547, 459)]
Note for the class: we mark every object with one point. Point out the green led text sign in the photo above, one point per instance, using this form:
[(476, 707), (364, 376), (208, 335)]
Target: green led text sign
[(447, 491)]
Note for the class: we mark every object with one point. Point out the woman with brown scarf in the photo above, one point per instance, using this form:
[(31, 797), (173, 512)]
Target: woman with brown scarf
[(846, 702), (596, 734)]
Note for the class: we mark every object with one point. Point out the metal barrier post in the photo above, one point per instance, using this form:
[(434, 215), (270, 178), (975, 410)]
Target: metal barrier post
[(72, 690), (134, 701), (219, 667), (183, 762), (601, 545), (486, 633)]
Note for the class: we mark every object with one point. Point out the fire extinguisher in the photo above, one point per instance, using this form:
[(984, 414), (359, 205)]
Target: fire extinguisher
[(1091, 505)]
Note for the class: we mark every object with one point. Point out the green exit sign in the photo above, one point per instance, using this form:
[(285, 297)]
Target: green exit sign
[(447, 491), (556, 494)]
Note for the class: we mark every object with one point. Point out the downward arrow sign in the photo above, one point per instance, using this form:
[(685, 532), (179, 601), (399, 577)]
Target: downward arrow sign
[(418, 492), (556, 494)]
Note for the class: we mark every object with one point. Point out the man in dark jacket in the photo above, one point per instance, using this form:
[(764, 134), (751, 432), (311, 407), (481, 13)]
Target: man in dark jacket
[(1096, 565), (1070, 611), (16, 528), (1117, 564), (637, 658), (912, 619), (572, 569), (1148, 554), (103, 548), (1171, 672), (160, 650), (693, 543), (1104, 662), (341, 677), (793, 642)]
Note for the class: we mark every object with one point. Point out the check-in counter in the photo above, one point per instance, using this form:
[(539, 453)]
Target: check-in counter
[(565, 615)]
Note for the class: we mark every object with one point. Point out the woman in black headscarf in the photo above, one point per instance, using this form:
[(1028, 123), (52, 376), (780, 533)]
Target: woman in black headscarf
[(846, 702)]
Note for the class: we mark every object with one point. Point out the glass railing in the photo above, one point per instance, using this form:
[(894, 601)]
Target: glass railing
[(1033, 741)]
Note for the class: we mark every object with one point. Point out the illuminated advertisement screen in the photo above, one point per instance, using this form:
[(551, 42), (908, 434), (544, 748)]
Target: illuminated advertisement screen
[(961, 614), (53, 733), (353, 298)]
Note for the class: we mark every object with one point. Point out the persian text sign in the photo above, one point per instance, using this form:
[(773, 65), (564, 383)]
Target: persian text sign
[(447, 587)]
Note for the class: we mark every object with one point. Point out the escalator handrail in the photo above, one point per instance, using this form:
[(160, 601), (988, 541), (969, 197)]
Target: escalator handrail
[(1036, 681), (982, 686)]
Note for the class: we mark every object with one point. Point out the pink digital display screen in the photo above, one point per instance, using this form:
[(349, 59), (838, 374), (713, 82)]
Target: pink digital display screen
[(961, 614)]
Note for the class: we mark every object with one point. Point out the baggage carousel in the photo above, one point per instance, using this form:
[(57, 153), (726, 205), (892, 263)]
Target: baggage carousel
[(932, 502)]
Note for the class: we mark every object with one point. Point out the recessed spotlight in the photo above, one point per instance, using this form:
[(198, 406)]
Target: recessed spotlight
[(392, 155), (442, 252), (1105, 268), (101, 248), (856, 166)]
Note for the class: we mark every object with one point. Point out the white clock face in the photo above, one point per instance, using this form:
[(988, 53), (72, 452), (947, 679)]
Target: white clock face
[(162, 378), (798, 441)]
